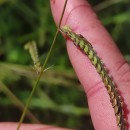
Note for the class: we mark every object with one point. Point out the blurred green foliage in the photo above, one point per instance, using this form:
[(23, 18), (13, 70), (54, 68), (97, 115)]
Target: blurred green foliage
[(59, 94)]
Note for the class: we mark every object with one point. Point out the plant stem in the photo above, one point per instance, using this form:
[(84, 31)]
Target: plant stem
[(45, 62)]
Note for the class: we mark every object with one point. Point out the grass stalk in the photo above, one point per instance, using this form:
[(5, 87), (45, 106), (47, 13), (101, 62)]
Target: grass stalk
[(45, 62)]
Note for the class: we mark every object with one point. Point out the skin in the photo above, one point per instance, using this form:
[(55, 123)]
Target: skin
[(82, 19)]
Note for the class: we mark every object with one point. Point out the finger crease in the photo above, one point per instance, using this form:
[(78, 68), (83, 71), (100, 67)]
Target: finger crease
[(95, 88), (79, 6), (122, 69)]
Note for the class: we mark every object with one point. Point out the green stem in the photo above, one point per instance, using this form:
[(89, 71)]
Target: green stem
[(45, 62)]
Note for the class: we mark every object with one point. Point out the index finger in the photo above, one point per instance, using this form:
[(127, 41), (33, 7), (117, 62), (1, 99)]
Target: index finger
[(81, 18)]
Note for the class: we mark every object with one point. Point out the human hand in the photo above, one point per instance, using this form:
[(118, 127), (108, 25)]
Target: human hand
[(81, 18)]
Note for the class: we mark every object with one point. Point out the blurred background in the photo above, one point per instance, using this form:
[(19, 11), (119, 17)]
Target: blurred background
[(59, 99)]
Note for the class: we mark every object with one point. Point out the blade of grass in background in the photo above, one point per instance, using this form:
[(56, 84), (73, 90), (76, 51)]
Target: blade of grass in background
[(17, 102)]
